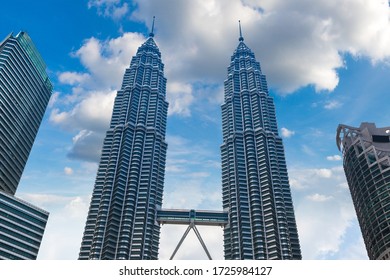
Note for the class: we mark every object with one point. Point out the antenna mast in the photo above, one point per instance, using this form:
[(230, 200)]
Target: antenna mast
[(151, 34), (239, 26)]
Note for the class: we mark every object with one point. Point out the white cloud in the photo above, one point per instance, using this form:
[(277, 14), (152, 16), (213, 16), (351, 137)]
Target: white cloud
[(330, 105), (56, 116), (43, 200), (319, 197), (53, 99), (120, 11), (65, 225), (323, 172), (344, 185), (199, 174), (286, 133), (93, 112), (171, 168), (77, 207), (107, 60), (180, 98), (322, 227), (296, 184), (308, 52), (68, 170), (64, 229), (334, 158), (192, 51), (115, 9), (72, 78), (184, 197), (310, 177), (324, 212), (89, 117)]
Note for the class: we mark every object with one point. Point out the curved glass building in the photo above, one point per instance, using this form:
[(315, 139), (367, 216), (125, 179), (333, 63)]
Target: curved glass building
[(255, 184), (366, 152), (121, 222)]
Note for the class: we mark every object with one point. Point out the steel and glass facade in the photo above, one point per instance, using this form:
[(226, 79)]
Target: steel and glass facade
[(25, 90), (21, 228), (255, 184), (366, 152), (121, 222)]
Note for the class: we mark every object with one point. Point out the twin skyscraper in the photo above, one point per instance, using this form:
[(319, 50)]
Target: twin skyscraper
[(126, 208)]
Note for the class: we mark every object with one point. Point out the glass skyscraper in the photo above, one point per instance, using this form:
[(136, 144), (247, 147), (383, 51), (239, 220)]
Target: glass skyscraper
[(21, 228), (366, 160), (25, 90), (255, 185), (121, 222)]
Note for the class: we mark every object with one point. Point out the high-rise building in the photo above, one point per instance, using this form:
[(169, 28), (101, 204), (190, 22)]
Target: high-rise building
[(121, 222), (255, 184), (21, 228), (25, 90), (366, 152)]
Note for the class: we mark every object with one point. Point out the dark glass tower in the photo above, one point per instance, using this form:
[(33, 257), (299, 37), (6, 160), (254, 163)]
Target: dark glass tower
[(25, 90), (21, 228), (366, 153), (121, 222), (255, 185)]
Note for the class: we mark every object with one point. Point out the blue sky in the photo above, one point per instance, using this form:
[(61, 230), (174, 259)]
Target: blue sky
[(326, 63)]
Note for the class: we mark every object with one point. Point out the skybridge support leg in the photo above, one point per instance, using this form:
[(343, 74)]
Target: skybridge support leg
[(181, 241), (197, 233), (201, 241)]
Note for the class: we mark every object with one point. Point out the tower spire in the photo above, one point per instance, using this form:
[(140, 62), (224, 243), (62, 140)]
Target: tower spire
[(239, 26), (151, 34)]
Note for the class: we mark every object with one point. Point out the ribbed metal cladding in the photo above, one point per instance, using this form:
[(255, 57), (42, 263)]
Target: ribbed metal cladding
[(21, 228), (255, 184), (25, 91), (366, 153), (121, 222)]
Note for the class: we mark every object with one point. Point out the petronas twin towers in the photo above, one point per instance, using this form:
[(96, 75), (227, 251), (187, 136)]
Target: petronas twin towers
[(126, 207)]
